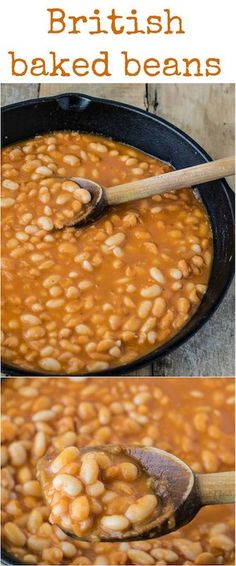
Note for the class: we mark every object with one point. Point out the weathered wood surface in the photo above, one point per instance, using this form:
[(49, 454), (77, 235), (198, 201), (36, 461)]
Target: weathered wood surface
[(206, 112), (11, 93)]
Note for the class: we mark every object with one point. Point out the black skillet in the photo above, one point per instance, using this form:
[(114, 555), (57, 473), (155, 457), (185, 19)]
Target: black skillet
[(159, 138)]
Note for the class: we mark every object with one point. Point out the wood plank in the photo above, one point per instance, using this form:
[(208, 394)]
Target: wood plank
[(11, 93), (204, 111)]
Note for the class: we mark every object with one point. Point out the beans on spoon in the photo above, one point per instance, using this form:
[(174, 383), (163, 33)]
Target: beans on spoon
[(115, 493), (57, 203), (102, 198)]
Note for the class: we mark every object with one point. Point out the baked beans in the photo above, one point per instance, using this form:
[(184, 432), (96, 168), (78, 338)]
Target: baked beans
[(192, 418), (79, 301)]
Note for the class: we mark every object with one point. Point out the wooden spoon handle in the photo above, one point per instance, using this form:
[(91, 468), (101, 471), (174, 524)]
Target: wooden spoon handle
[(170, 181), (217, 488)]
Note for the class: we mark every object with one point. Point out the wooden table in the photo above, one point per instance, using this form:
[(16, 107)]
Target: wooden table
[(206, 112)]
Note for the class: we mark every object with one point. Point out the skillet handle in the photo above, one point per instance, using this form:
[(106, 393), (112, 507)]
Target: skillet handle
[(169, 181)]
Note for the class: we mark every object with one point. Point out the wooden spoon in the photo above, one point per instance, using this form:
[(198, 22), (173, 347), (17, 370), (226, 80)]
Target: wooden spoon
[(180, 491), (102, 198)]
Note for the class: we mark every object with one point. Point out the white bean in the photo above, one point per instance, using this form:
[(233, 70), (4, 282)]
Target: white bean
[(44, 171), (45, 223), (150, 292), (40, 444), (69, 454), (46, 415), (7, 202), (71, 160), (96, 489), (87, 265), (30, 319), (141, 557), (17, 453), (115, 240), (89, 471), (176, 273), (11, 185), (144, 309), (114, 523), (142, 509), (82, 329), (157, 275), (55, 303), (68, 484), (82, 195), (51, 280), (50, 364), (14, 534)]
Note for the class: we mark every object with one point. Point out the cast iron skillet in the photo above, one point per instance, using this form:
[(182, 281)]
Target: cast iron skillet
[(152, 135)]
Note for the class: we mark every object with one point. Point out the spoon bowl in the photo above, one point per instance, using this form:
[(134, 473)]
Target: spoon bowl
[(94, 209), (173, 483), (179, 491)]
